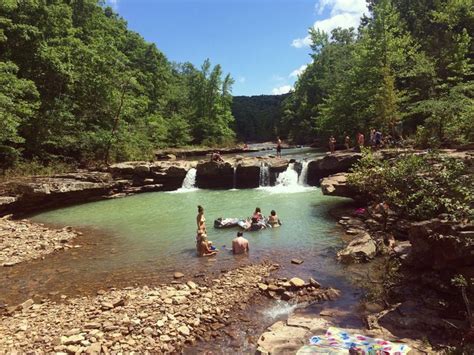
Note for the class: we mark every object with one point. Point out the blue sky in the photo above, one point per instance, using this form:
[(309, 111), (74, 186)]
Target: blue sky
[(263, 44)]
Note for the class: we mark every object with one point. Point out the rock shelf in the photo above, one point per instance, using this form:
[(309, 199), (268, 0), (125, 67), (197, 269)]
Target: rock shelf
[(23, 240), (156, 320)]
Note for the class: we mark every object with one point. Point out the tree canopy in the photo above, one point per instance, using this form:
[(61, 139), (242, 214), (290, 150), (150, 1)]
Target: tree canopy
[(76, 84), (409, 66)]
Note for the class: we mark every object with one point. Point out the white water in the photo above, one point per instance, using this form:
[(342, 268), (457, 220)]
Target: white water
[(234, 179), (264, 175), (189, 182), (303, 178), (281, 308), (287, 182)]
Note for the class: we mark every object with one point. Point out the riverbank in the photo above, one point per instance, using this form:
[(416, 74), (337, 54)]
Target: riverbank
[(166, 318), (23, 240)]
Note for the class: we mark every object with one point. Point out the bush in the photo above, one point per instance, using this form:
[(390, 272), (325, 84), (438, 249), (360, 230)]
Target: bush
[(417, 186)]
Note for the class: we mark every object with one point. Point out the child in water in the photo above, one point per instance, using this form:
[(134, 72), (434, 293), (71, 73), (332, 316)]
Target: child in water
[(273, 219)]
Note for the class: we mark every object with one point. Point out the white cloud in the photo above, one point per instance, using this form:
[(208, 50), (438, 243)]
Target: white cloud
[(301, 42), (241, 79), (282, 90), (297, 72), (113, 4), (343, 13)]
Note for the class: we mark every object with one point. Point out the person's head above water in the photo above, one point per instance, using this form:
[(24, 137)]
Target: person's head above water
[(273, 213), (200, 209), (240, 234), (257, 210)]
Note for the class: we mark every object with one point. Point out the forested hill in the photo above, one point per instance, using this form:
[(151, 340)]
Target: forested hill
[(257, 118), (408, 69), (77, 85)]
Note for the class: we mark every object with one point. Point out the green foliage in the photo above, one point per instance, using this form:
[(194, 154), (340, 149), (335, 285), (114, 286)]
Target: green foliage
[(257, 118), (76, 84), (416, 186), (409, 65)]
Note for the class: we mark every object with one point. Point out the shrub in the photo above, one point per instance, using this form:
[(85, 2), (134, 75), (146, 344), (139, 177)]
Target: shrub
[(418, 186)]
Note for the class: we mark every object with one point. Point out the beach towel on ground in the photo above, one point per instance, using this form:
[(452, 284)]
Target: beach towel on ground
[(339, 339)]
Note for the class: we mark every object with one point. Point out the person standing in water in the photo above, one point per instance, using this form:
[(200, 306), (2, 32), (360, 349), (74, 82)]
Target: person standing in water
[(278, 147), (201, 221), (347, 142)]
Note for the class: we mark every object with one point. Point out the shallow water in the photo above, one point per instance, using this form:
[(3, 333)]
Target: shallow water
[(160, 227)]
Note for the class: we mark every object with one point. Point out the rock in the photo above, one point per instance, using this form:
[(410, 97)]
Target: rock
[(361, 249), (184, 330), (27, 304), (297, 261), (262, 287), (148, 331), (178, 275), (94, 348), (297, 282), (286, 296), (73, 339), (331, 164), (314, 283), (192, 285), (336, 185)]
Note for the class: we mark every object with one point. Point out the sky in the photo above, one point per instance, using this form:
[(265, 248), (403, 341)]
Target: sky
[(263, 44)]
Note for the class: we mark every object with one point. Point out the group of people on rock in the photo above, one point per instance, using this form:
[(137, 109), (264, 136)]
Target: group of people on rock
[(376, 140), (240, 245)]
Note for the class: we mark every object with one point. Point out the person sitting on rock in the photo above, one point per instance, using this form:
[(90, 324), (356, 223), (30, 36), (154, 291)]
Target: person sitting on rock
[(217, 157), (204, 246), (273, 219), (240, 245)]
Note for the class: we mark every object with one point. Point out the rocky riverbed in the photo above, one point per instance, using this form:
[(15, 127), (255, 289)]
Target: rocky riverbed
[(160, 319), (24, 240)]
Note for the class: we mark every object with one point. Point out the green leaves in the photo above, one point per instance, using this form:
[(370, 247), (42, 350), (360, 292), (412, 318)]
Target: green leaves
[(417, 186)]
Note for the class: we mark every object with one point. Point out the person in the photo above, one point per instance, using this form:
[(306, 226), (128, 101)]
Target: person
[(278, 147), (201, 220), (360, 141), (347, 142), (372, 137), (240, 245), (257, 215), (216, 156), (378, 139), (273, 219), (332, 144), (246, 147), (204, 246)]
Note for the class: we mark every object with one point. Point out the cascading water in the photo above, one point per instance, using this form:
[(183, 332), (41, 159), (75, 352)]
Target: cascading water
[(189, 182), (303, 178), (264, 175), (234, 179), (288, 178)]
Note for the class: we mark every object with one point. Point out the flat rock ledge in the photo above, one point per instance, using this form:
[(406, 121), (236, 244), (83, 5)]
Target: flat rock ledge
[(24, 240), (286, 337), (162, 319)]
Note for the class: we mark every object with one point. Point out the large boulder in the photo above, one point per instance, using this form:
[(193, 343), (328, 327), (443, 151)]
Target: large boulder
[(439, 244), (331, 164), (359, 250), (212, 174), (336, 185), (247, 173)]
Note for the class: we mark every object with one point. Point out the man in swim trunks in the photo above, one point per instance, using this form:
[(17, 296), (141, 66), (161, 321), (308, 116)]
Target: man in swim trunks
[(278, 147), (240, 245)]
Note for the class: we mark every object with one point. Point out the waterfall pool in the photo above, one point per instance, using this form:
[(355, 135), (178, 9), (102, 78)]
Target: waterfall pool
[(145, 238)]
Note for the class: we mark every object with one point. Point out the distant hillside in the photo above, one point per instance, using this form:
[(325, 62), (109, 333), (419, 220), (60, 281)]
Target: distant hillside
[(257, 117)]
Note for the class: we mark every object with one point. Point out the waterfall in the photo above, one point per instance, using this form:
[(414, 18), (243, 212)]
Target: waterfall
[(264, 175), (234, 179), (288, 178), (303, 179), (189, 182)]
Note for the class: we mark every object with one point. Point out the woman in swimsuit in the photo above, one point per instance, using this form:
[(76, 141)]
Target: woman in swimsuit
[(273, 219), (201, 220)]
